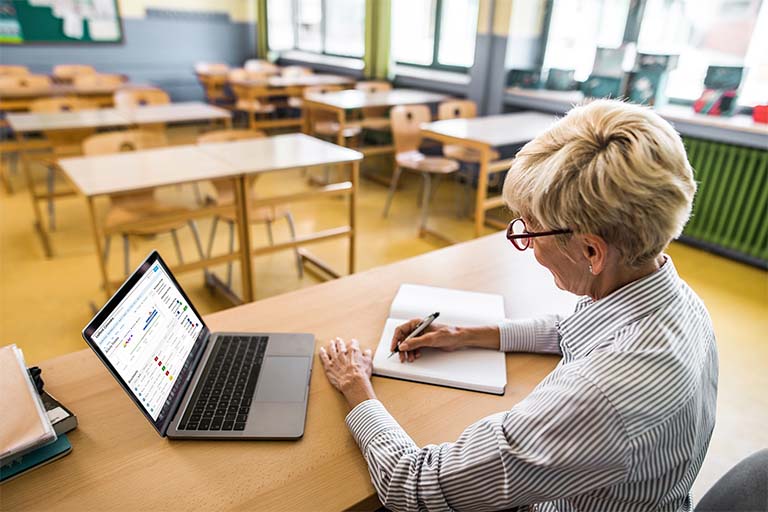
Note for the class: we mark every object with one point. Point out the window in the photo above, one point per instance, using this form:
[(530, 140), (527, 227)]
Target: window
[(332, 27), (716, 32), (434, 33), (526, 22), (578, 27)]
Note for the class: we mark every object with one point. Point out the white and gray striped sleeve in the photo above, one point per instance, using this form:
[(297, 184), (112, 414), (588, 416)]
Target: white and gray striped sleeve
[(531, 335), (562, 440)]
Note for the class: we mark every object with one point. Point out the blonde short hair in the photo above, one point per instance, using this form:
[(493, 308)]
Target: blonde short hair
[(611, 169)]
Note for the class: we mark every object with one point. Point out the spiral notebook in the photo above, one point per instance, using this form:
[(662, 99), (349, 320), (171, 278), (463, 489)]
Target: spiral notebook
[(473, 369)]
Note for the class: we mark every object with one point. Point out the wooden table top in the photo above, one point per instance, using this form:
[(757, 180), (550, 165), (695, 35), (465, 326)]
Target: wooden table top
[(139, 170), (298, 81), (61, 90), (119, 462), (353, 99), (99, 118), (496, 130), (288, 151)]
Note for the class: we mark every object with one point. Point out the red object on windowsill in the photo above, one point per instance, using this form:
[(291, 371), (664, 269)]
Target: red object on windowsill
[(760, 114)]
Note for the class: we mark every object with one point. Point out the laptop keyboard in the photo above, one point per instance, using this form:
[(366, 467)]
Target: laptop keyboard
[(223, 395)]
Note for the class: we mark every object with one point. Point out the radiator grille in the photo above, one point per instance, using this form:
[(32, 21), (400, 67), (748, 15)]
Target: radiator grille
[(731, 205)]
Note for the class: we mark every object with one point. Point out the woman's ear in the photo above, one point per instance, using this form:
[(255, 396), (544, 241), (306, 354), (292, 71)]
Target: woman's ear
[(595, 251)]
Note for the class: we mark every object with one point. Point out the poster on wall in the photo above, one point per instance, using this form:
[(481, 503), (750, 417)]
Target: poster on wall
[(60, 21)]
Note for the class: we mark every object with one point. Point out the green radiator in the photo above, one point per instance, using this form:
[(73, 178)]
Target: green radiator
[(730, 211)]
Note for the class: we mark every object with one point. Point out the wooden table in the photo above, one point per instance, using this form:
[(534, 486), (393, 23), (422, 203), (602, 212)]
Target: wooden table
[(118, 462), (483, 134), (24, 124), (294, 151), (95, 176), (340, 103), (20, 99)]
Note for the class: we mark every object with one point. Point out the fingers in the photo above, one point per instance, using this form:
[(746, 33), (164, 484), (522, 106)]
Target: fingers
[(402, 331), (425, 340)]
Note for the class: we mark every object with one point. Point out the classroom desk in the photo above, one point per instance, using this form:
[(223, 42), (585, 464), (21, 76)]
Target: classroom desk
[(95, 176), (24, 124), (119, 462), (483, 134), (20, 99), (340, 103)]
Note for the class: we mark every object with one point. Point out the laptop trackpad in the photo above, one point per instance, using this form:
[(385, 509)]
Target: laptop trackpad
[(282, 379)]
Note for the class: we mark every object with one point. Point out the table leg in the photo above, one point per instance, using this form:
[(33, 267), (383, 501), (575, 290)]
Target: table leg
[(482, 190), (243, 221), (97, 243), (355, 179), (39, 222)]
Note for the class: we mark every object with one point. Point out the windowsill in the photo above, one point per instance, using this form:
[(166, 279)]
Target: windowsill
[(435, 75), (350, 63)]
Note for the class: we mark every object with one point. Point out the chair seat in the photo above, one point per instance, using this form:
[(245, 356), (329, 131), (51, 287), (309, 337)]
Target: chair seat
[(295, 102), (225, 194), (375, 123), (122, 212), (332, 128), (466, 154), (417, 161), (254, 106)]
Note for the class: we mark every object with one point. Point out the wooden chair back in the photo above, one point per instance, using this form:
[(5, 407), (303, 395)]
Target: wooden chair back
[(261, 66), (64, 142), (406, 126), (457, 109), (67, 72), (131, 98), (211, 68), (98, 80), (245, 75), (19, 82), (9, 70), (60, 104), (229, 136), (371, 86), (320, 89), (294, 71)]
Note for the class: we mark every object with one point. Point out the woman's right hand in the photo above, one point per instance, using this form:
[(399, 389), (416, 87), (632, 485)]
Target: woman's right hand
[(444, 337)]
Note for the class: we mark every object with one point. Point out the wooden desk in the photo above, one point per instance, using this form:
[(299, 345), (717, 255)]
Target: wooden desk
[(293, 151), (20, 99), (482, 134), (24, 124), (119, 462), (339, 103)]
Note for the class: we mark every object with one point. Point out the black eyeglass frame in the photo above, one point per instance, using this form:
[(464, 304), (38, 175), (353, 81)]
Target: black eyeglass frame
[(522, 241)]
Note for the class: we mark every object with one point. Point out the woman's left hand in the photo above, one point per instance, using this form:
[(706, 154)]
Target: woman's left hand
[(348, 369)]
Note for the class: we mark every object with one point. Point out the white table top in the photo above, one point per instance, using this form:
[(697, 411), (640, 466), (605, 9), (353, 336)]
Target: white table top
[(298, 81), (35, 122), (494, 131), (174, 113), (138, 170), (289, 151), (353, 98)]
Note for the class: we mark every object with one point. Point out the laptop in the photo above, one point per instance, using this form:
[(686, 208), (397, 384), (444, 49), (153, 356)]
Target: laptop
[(194, 384)]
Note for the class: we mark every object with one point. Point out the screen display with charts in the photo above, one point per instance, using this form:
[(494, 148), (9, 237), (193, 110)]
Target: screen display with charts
[(148, 337)]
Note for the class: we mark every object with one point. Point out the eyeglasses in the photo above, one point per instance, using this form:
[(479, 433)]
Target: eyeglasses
[(521, 237)]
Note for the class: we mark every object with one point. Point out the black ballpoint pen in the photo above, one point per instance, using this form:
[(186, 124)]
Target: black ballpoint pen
[(418, 330)]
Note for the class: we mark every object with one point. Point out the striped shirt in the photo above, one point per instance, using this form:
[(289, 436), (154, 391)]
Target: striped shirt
[(622, 423)]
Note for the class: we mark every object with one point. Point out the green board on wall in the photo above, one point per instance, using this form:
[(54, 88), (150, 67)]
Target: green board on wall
[(60, 21)]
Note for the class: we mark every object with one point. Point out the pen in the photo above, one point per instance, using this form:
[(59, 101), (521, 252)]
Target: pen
[(418, 330)]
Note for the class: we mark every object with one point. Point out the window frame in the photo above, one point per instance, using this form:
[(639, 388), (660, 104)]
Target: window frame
[(323, 25), (435, 64)]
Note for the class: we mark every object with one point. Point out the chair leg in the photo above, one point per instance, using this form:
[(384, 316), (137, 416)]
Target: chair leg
[(392, 187), (178, 246), (196, 235), (231, 250), (198, 194), (107, 243), (51, 204), (269, 232), (292, 229), (212, 237), (425, 199), (126, 255)]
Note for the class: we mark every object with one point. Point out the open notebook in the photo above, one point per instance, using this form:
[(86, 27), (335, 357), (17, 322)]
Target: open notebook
[(473, 369)]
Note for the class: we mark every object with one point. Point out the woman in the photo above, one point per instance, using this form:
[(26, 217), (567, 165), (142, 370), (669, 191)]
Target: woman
[(623, 422)]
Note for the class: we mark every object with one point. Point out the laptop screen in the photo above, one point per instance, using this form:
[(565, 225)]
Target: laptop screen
[(146, 333)]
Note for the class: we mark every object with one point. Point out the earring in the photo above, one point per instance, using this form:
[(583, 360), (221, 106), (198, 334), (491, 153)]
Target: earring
[(590, 270)]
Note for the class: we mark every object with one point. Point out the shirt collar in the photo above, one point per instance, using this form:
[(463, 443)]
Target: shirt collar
[(594, 321)]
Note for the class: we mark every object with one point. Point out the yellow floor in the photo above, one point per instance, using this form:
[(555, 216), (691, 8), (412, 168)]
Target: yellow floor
[(44, 303)]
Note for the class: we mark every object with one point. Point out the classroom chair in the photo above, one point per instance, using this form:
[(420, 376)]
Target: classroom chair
[(213, 77), (406, 134), (65, 73), (261, 66), (251, 98), (63, 143), (98, 80), (24, 82), (132, 98), (294, 71), (324, 124), (225, 194), (136, 213), (9, 70), (374, 118), (460, 109)]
